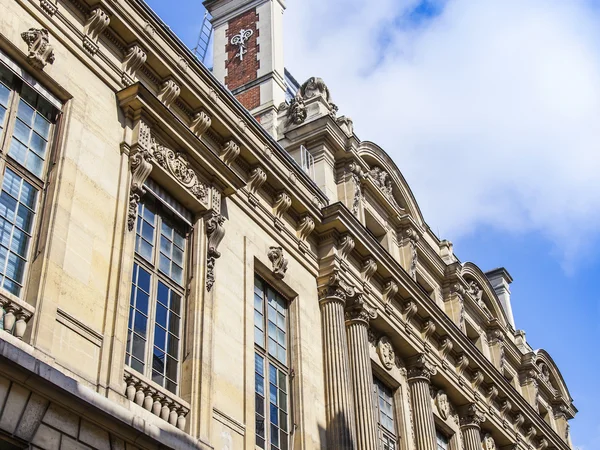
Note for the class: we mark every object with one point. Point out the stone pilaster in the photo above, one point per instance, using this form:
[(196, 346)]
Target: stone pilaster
[(339, 408), (419, 376), (358, 314), (470, 426)]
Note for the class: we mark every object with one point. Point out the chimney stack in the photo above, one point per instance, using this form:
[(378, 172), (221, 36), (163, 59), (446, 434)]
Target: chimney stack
[(248, 54), (500, 279)]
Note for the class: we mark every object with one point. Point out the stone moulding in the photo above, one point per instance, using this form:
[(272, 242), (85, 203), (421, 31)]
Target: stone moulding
[(49, 6), (155, 399), (39, 51)]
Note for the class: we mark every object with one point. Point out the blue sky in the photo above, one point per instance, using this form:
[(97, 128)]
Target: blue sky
[(491, 111)]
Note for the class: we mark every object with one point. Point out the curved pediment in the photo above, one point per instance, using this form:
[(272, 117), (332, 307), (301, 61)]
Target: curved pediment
[(386, 175), (549, 372), (481, 289)]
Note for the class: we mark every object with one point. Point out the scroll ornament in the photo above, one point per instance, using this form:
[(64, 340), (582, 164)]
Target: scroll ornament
[(215, 233), (40, 52), (278, 262)]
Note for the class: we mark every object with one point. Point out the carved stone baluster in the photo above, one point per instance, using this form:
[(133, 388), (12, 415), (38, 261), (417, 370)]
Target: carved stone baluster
[(358, 315), (338, 394), (419, 374), (181, 413)]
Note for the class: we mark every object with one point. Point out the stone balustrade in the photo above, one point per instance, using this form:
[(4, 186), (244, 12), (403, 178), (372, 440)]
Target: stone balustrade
[(155, 399), (14, 315)]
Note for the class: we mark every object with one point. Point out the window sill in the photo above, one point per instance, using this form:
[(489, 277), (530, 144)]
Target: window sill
[(156, 399)]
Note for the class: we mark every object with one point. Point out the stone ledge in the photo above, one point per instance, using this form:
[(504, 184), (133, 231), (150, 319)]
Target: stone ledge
[(17, 361)]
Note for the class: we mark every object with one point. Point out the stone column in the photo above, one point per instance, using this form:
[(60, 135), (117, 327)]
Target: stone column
[(470, 426), (419, 376), (358, 314), (338, 398)]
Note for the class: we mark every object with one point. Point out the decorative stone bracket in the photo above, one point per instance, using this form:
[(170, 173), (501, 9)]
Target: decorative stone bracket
[(215, 233), (96, 23), (14, 316), (135, 57), (40, 52), (155, 399)]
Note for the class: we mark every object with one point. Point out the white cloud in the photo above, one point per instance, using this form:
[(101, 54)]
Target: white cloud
[(491, 110)]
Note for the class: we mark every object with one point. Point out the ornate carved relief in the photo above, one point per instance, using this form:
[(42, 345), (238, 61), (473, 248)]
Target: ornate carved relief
[(488, 442), (410, 237), (135, 57), (518, 420), (313, 87), (461, 364), (505, 411), (442, 403), (542, 444), (215, 233), (477, 293), (492, 393), (358, 309), (386, 353), (140, 170), (96, 23), (296, 114), (278, 262), (357, 176), (49, 6), (177, 165), (477, 380), (459, 291), (169, 91), (240, 40), (410, 309), (344, 248), (40, 52), (390, 289), (230, 152), (369, 268), (427, 331), (257, 178), (200, 123)]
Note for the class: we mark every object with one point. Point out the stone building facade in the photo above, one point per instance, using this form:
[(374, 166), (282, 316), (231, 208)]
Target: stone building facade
[(192, 266)]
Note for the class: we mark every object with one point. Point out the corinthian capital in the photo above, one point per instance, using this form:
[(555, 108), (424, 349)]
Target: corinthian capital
[(470, 416), (337, 288), (358, 310), (420, 368)]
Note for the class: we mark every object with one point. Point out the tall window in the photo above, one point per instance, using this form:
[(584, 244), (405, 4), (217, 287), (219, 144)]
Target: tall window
[(441, 440), (26, 129), (388, 437), (271, 366), (157, 295)]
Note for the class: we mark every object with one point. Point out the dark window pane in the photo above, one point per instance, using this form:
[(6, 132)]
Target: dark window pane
[(139, 347), (24, 218), (274, 414), (28, 195), (259, 364), (163, 293), (177, 274), (158, 377), (259, 402), (158, 361), (141, 324), (161, 315), (160, 337), (171, 368), (144, 280), (175, 303), (38, 145), (173, 346), (141, 302), (20, 242), (259, 383), (274, 435), (174, 324), (171, 386), (137, 365)]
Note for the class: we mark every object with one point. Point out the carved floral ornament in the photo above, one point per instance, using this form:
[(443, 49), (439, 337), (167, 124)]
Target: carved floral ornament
[(39, 50)]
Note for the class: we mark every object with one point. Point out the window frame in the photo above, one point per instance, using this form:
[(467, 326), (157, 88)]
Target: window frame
[(383, 433), (17, 92), (163, 214), (263, 352)]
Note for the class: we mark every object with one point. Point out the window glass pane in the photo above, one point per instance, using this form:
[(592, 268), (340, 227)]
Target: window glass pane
[(4, 94), (25, 112), (18, 151), (35, 164), (41, 125), (158, 362), (21, 132)]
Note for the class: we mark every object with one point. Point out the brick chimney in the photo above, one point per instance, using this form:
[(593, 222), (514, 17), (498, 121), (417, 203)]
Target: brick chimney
[(248, 54), (500, 279)]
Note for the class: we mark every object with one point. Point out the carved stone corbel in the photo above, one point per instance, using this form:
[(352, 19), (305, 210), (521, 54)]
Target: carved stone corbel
[(95, 24), (135, 57), (281, 204), (306, 225), (518, 420), (492, 393), (344, 248), (410, 309), (476, 381), (410, 237), (230, 152), (39, 50), (446, 345), (278, 262), (368, 269), (461, 364), (505, 411), (215, 233), (168, 92), (200, 123), (427, 331), (390, 289), (257, 178)]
